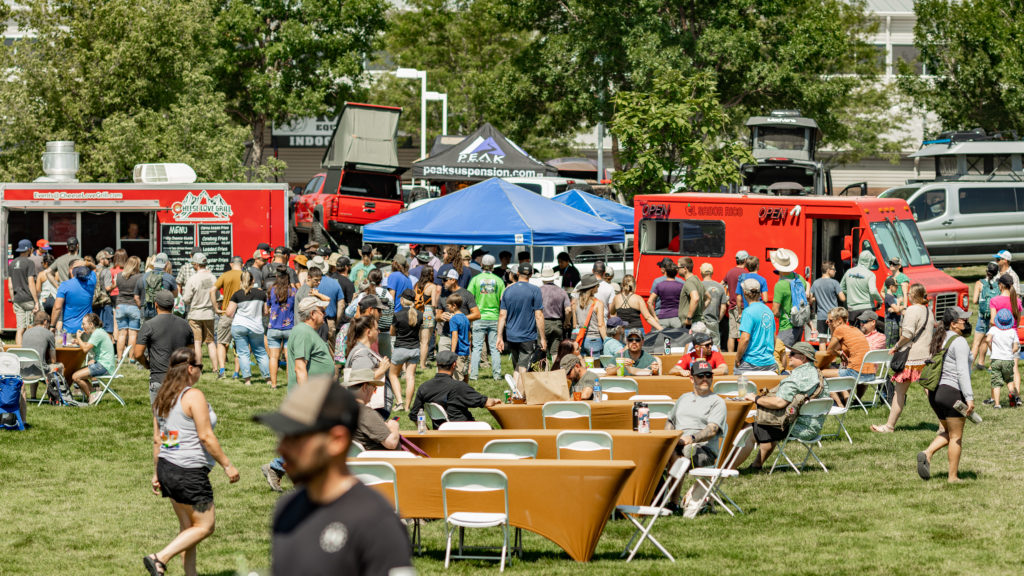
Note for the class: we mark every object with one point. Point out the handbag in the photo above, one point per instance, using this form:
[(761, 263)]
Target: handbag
[(900, 355), (785, 417), (582, 335)]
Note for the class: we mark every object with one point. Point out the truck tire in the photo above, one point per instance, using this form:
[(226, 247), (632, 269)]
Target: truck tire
[(316, 232)]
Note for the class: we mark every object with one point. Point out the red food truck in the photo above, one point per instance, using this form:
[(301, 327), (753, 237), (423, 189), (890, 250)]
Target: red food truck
[(222, 220), (713, 227)]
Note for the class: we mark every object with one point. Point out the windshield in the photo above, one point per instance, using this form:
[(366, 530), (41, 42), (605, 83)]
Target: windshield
[(901, 193), (901, 239)]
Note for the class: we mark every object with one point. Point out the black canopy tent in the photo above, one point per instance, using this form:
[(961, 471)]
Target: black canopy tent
[(484, 154)]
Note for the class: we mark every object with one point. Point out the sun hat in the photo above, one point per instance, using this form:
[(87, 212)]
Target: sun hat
[(547, 275), (1004, 318), (804, 349), (587, 282), (360, 376), (784, 260)]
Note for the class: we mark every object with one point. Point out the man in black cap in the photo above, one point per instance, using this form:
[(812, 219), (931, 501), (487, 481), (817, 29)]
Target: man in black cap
[(280, 262), (580, 379), (161, 335), (521, 321), (699, 416), (21, 288), (422, 260), (455, 396), (60, 270), (331, 523)]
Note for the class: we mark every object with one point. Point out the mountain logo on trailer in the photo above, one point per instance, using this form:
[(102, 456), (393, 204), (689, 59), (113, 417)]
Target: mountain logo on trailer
[(484, 150), (202, 208)]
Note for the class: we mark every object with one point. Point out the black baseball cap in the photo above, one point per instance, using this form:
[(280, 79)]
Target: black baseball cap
[(371, 301), (319, 404), (283, 250), (526, 268), (263, 246), (700, 368), (72, 241), (477, 253), (446, 358)]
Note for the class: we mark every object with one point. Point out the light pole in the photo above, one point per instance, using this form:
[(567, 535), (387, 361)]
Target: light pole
[(443, 97), (422, 75)]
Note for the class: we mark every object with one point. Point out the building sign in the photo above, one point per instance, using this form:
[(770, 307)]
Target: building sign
[(304, 133)]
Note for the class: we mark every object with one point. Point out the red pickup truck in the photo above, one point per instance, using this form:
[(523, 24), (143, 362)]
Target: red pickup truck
[(361, 180)]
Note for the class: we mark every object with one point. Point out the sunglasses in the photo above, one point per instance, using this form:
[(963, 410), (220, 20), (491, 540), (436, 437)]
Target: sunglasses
[(634, 340), (702, 376)]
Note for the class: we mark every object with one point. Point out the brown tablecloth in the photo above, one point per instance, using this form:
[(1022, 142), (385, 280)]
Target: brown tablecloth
[(650, 452), (72, 357), (676, 386), (565, 501)]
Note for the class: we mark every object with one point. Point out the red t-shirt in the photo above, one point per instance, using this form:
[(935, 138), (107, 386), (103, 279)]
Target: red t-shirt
[(731, 278), (715, 360)]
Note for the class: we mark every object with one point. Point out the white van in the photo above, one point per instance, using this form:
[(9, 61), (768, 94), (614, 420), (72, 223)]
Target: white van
[(546, 186), (965, 223)]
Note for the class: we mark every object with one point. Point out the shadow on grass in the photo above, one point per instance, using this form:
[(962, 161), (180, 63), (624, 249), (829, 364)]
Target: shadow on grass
[(933, 426)]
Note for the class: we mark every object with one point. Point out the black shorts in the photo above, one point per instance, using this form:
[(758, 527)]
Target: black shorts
[(942, 399), (185, 485), (522, 353), (768, 434), (822, 327)]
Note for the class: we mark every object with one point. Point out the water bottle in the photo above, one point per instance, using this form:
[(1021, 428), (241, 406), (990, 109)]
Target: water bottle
[(597, 390), (668, 346), (643, 419), (421, 422), (741, 385)]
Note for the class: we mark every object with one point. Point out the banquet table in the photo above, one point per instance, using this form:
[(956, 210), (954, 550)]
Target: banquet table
[(670, 360), (650, 452), (72, 357), (565, 501), (676, 386), (610, 415)]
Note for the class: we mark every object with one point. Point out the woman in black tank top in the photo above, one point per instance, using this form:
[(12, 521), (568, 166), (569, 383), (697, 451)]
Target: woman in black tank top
[(630, 306)]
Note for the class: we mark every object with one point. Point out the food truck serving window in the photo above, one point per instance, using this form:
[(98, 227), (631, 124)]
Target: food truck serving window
[(683, 237), (901, 238)]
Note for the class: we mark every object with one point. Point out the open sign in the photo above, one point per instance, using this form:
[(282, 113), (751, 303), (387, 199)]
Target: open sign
[(655, 211), (776, 215)]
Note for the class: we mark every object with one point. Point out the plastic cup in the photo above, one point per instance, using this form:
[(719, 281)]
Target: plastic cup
[(577, 396), (620, 363)]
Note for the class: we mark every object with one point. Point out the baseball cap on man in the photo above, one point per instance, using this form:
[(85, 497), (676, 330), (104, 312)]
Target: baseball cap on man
[(44, 245), (700, 368), (742, 255), (263, 246), (953, 313), (452, 274), (199, 258), (24, 245), (446, 358), (261, 255), (308, 304), (568, 362), (1001, 255), (318, 405), (159, 261), (487, 260), (367, 302), (751, 286), (525, 268), (72, 241), (164, 299), (867, 316)]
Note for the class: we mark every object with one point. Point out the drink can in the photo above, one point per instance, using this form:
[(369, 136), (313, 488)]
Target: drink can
[(643, 417), (508, 396)]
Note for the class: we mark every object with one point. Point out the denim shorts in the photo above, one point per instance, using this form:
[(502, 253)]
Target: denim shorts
[(849, 373), (277, 338), (96, 369), (129, 317)]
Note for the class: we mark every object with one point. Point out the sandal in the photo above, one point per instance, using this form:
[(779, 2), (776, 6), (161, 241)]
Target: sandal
[(884, 428), (923, 466), (155, 567)]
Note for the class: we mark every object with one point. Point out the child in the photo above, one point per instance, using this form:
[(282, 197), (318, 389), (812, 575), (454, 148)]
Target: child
[(1002, 340), (459, 326), (893, 313)]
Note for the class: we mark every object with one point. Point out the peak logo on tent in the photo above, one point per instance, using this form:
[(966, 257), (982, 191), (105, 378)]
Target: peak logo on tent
[(482, 150)]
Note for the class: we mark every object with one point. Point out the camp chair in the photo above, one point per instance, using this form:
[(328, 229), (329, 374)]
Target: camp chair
[(660, 411), (568, 413), (881, 360), (464, 426), (711, 479), (815, 408), (654, 511), (107, 379), (355, 449), (10, 388), (726, 388), (476, 480), (29, 358), (617, 385), (519, 448), (584, 441), (838, 413), (385, 454), (375, 475), (435, 412)]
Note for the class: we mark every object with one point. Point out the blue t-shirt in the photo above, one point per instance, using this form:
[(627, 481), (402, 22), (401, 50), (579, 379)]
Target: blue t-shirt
[(399, 283), (460, 323), (759, 322), (520, 301), (332, 289), (77, 295), (760, 279)]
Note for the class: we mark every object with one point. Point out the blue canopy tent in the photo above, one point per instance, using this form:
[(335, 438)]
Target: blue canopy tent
[(494, 212), (597, 206)]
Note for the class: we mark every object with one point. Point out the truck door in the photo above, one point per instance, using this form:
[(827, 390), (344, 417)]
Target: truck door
[(832, 241)]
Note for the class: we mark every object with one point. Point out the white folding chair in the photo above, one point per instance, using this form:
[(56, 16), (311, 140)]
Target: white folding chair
[(566, 414), (619, 385), (377, 473), (726, 388), (487, 456), (710, 479), (517, 447), (107, 379), (584, 441), (464, 426), (475, 480), (880, 359), (435, 411), (355, 449), (816, 408), (660, 411), (385, 454), (654, 511), (29, 358), (838, 413), (650, 398)]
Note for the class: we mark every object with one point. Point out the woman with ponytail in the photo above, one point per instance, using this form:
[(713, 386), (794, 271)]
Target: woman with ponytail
[(630, 306)]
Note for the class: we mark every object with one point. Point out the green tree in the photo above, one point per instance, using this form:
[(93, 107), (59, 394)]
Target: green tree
[(675, 134), (973, 51), (278, 60), (128, 81)]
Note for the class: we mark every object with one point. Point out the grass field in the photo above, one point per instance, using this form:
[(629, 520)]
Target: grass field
[(76, 499)]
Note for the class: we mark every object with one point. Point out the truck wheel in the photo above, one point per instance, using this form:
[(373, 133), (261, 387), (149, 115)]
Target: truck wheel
[(316, 231)]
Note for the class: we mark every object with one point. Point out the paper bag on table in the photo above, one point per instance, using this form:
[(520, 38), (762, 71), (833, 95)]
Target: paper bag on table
[(541, 387)]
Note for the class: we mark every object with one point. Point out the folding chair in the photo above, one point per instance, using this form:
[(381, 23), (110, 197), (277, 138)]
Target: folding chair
[(435, 412), (355, 449), (660, 411), (617, 385), (29, 358), (726, 388), (816, 408), (881, 360), (475, 480), (654, 511), (375, 475), (711, 479), (650, 398), (107, 379), (464, 426), (385, 454), (584, 441), (838, 413), (519, 448), (566, 414), (10, 388)]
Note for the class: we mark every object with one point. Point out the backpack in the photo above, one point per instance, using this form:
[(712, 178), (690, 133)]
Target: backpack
[(932, 371), (154, 282), (57, 390), (989, 290), (100, 296), (800, 313)]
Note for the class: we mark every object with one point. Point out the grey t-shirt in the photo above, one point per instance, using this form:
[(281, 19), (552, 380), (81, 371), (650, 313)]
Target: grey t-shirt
[(716, 297), (826, 293), (692, 413), (42, 341)]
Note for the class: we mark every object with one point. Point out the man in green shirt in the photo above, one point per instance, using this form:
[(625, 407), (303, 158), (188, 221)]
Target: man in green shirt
[(363, 267), (785, 262), (487, 289), (691, 297), (895, 266), (308, 354), (860, 286)]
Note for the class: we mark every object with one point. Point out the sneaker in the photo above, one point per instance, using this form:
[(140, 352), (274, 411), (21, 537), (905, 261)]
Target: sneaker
[(220, 374), (235, 375), (988, 401), (273, 477), (94, 397), (997, 406)]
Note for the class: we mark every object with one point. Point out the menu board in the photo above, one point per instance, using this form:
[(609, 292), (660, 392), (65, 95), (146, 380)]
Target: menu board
[(179, 241)]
